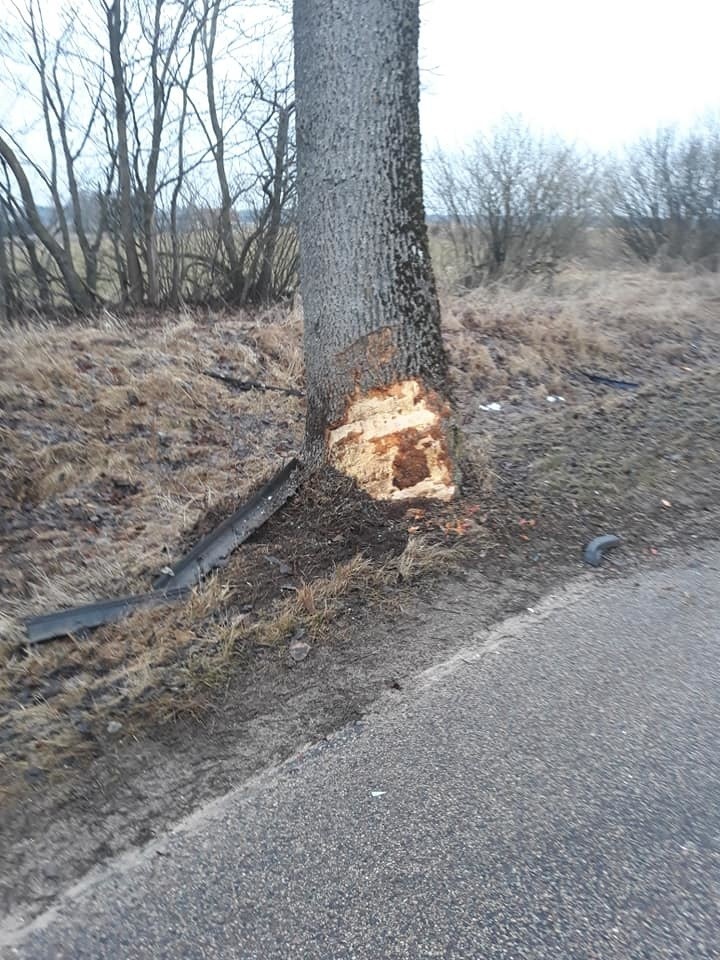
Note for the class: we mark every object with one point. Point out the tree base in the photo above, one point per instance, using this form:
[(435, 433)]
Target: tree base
[(393, 442)]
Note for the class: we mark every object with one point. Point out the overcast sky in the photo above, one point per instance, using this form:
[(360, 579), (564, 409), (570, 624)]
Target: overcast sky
[(596, 72)]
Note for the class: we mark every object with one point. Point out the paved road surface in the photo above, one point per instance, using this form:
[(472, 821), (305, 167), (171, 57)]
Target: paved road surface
[(553, 792)]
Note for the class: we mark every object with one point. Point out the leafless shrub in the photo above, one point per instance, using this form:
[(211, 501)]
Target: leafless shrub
[(512, 205), (153, 163), (662, 197)]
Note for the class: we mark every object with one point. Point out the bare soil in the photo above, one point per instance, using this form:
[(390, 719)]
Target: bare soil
[(110, 738)]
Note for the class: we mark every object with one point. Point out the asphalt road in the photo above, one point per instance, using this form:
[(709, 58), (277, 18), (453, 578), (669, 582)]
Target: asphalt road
[(552, 792)]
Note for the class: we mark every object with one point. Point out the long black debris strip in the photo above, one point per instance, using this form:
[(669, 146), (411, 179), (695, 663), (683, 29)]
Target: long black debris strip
[(217, 546), (610, 381), (247, 385), (77, 620), (211, 552)]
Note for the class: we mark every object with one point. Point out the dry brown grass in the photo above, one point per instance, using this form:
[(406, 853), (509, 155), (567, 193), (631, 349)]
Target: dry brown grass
[(160, 662), (66, 692), (315, 606), (113, 444), (502, 341)]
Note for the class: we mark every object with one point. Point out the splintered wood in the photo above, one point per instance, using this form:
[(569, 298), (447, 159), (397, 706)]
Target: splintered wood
[(393, 442)]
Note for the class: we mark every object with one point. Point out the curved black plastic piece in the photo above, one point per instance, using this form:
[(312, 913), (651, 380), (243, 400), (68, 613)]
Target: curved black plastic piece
[(217, 546), (209, 553), (597, 548), (65, 623)]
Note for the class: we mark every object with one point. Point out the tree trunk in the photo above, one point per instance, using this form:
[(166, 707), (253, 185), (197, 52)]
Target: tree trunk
[(375, 364), (217, 146), (80, 297), (116, 29), (6, 291), (268, 243)]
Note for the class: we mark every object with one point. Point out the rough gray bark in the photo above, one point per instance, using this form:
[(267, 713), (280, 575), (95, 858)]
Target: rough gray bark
[(372, 319)]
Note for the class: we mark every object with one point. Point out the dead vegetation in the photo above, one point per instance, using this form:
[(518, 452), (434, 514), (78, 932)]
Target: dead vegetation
[(504, 343), (67, 698), (118, 453), (114, 443)]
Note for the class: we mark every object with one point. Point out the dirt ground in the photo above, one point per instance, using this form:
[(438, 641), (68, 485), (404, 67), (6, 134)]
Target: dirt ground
[(118, 455)]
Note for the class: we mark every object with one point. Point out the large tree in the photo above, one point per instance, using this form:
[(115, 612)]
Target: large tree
[(376, 368)]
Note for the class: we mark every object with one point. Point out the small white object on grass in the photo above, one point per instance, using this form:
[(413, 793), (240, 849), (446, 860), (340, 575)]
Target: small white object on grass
[(554, 398), (377, 793), (299, 650), (491, 406)]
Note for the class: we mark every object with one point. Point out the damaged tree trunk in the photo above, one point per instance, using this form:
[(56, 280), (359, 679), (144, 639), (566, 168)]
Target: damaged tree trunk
[(375, 363)]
